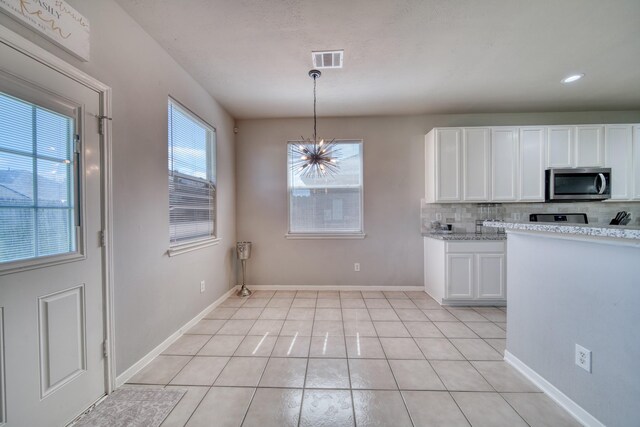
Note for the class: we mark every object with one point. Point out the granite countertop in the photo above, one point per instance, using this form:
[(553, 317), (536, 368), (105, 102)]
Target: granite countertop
[(465, 236), (621, 232)]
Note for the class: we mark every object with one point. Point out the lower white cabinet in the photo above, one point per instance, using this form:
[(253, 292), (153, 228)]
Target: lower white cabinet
[(465, 272)]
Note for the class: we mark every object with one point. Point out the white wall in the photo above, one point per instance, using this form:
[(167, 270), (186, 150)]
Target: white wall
[(154, 294), (391, 254)]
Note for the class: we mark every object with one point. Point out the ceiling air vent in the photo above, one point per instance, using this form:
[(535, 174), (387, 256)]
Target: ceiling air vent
[(327, 59)]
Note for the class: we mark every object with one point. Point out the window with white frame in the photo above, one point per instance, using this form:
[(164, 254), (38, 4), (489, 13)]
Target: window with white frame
[(329, 205), (192, 177)]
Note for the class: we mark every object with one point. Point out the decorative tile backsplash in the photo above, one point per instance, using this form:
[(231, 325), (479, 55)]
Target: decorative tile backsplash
[(464, 215)]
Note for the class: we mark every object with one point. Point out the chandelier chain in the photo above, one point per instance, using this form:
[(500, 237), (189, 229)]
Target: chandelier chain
[(315, 135)]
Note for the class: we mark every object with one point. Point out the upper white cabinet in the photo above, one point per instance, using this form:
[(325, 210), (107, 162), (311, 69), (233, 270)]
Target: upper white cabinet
[(443, 156), (504, 164), (532, 149), (559, 146), (636, 162), (619, 157), (476, 148), (589, 146), (575, 146)]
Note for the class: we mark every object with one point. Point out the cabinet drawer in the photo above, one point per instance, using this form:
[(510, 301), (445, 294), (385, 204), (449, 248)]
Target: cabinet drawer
[(475, 246)]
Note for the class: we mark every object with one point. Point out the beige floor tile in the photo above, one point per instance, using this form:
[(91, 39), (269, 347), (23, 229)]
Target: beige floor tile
[(395, 294), (304, 303), (221, 345), (187, 345), (384, 315), (285, 294), (502, 325), (328, 303), (256, 303), (273, 313), (499, 344), (271, 327), (331, 327), (280, 303), (476, 349), (355, 314), (411, 315), (300, 327), (378, 408), (486, 330), (161, 370), (327, 373), (327, 408), (364, 348), (242, 372), (284, 372), (503, 377), (455, 330), (201, 370), (438, 349), (232, 302), (295, 346), (401, 348), (327, 346), (247, 313), (328, 314), (417, 294), (415, 375), (183, 410), (301, 313), (492, 313), (206, 327), (427, 304), (391, 329), (539, 411), (328, 294), (434, 409), (460, 376), (236, 327), (377, 303), (363, 328), (488, 409), (467, 315), (222, 407), (256, 346), (372, 294), (440, 316), (402, 303), (223, 313), (350, 294), (371, 374), (263, 294), (423, 330), (307, 294), (274, 407), (353, 303)]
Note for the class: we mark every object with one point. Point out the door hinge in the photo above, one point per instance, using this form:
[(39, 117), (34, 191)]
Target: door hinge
[(105, 349), (101, 123), (103, 238)]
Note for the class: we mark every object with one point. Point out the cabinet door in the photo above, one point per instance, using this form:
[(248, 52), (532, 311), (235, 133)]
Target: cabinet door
[(636, 162), (589, 147), (490, 270), (532, 145), (618, 157), (504, 164), (459, 279), (448, 156), (560, 147), (475, 164)]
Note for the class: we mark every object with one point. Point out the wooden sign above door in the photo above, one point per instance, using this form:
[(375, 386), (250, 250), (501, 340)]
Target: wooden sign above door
[(56, 20)]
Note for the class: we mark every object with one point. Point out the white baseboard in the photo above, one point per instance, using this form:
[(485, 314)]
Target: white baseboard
[(136, 367), (333, 288), (550, 390)]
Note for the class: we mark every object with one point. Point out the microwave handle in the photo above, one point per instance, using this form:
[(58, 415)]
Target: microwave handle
[(603, 180)]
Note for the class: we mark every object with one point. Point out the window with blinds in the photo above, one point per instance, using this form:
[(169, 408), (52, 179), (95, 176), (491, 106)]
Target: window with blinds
[(331, 204), (192, 177), (38, 185)]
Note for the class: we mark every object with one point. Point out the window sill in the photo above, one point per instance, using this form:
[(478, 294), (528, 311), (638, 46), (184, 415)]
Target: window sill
[(192, 246), (322, 236)]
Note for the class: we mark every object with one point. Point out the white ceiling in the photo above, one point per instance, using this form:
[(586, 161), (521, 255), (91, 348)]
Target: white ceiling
[(403, 56)]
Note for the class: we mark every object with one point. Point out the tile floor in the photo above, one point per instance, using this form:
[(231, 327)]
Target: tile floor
[(306, 358)]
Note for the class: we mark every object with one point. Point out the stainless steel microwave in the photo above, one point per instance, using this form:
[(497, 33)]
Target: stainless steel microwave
[(578, 184)]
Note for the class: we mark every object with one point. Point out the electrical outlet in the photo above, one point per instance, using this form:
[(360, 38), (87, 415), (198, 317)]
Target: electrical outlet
[(438, 216), (356, 266), (515, 216), (202, 286), (583, 358)]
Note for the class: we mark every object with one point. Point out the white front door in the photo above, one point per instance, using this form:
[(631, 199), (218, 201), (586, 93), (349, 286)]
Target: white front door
[(51, 267)]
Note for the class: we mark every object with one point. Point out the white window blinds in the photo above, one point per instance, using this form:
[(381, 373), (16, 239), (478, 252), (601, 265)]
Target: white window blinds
[(331, 204), (38, 186), (192, 177)]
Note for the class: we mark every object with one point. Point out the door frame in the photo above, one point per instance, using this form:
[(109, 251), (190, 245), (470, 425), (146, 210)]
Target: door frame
[(30, 49)]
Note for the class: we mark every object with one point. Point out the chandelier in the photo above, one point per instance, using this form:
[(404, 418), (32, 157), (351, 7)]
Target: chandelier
[(313, 158)]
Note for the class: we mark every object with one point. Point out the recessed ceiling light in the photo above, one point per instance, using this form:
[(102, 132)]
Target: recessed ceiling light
[(572, 78)]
